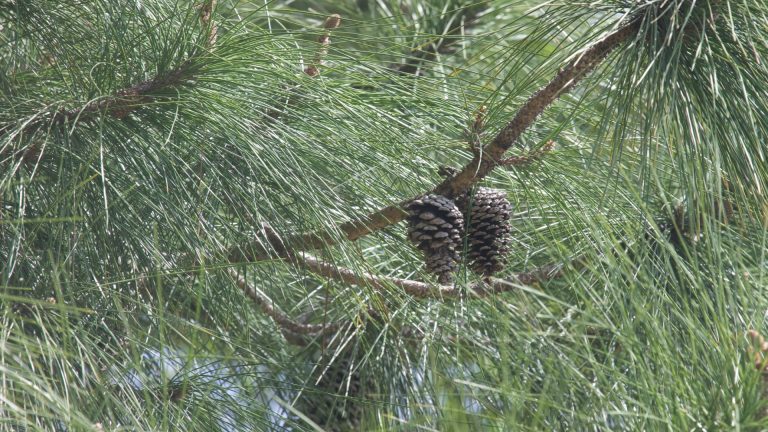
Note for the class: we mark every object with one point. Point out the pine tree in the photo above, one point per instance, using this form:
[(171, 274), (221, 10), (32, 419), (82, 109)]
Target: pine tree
[(204, 215)]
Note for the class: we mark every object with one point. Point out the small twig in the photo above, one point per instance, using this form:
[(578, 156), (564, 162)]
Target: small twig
[(529, 157), (475, 132), (271, 310), (428, 51), (331, 23), (758, 351), (206, 12)]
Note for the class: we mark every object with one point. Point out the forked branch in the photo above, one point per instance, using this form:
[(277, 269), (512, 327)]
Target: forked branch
[(296, 331), (270, 309), (417, 289), (492, 154), (481, 165)]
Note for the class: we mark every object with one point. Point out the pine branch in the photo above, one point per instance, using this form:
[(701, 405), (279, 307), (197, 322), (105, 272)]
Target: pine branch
[(118, 105), (423, 290), (428, 51), (481, 165), (417, 289), (297, 333), (268, 307)]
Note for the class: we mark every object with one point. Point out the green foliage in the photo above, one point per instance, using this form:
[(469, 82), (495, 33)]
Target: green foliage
[(134, 156)]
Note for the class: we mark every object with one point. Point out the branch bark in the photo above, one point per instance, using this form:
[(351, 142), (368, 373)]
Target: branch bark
[(120, 103), (417, 289), (268, 307), (483, 162), (423, 290), (298, 333)]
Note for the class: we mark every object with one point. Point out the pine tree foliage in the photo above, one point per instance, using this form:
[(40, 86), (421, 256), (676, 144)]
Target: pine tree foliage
[(178, 195)]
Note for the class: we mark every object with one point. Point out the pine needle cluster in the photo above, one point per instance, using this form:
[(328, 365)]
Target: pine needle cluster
[(202, 206)]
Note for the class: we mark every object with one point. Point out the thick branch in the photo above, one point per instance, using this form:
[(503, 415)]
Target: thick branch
[(482, 164), (491, 156)]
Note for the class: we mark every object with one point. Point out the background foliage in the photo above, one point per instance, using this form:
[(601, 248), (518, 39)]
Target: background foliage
[(118, 312)]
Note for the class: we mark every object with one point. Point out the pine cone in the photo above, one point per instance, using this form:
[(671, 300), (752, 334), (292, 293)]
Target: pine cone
[(436, 227), (337, 401), (487, 214)]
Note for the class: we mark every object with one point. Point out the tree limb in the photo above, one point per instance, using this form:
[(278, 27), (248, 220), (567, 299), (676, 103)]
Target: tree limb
[(490, 157), (423, 290), (298, 333), (416, 289), (118, 105)]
